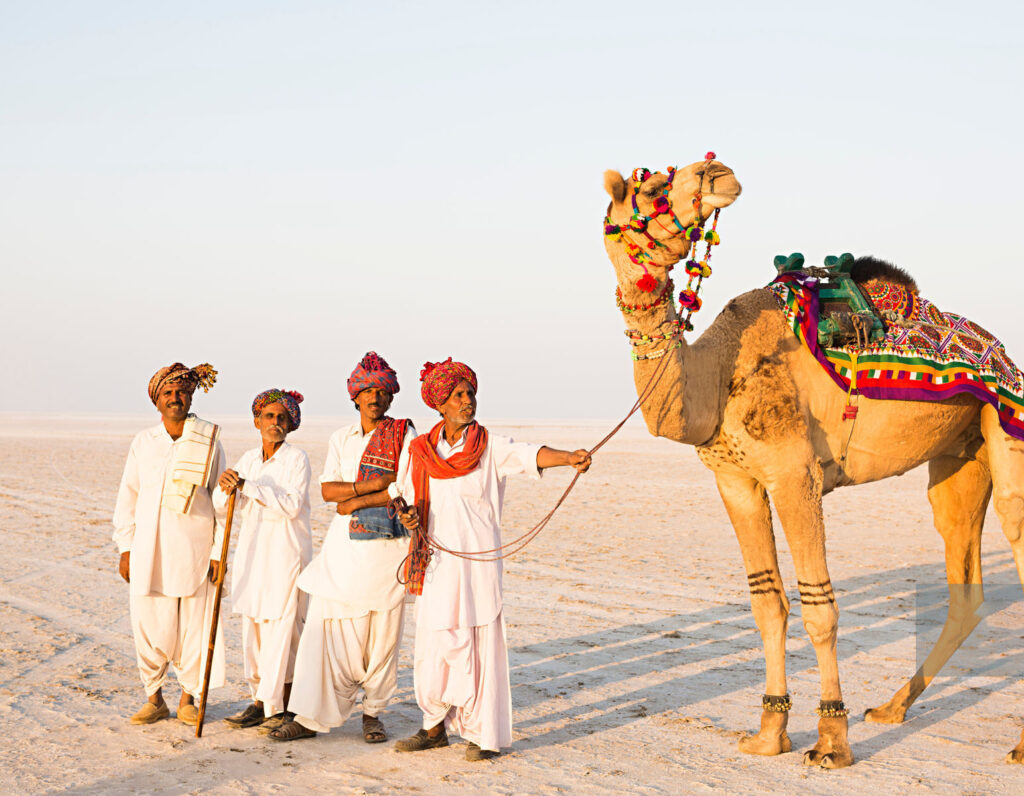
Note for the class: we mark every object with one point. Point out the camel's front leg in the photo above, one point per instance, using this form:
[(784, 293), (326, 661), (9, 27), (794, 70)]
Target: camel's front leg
[(747, 504), (797, 497)]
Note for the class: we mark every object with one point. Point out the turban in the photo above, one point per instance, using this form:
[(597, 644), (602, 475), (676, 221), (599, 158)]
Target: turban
[(372, 371), (200, 376), (288, 398), (439, 380)]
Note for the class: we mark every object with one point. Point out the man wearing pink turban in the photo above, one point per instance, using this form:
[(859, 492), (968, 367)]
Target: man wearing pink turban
[(454, 477), (356, 604)]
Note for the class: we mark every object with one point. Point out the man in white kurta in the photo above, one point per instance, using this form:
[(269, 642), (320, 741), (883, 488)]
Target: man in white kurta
[(169, 539), (274, 545), (356, 605), (461, 669)]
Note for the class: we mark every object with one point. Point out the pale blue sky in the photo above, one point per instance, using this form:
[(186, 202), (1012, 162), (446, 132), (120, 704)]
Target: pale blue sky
[(277, 188)]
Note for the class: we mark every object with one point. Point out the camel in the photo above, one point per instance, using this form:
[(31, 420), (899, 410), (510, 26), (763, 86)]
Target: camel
[(768, 421)]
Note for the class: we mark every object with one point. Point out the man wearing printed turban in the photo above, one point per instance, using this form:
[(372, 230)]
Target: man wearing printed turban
[(454, 480), (356, 605), (274, 545), (169, 537)]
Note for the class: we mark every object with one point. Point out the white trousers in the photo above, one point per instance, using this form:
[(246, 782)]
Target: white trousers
[(461, 678), (176, 630), (268, 649), (337, 657)]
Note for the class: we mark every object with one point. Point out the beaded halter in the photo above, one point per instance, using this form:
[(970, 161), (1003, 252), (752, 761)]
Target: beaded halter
[(696, 270)]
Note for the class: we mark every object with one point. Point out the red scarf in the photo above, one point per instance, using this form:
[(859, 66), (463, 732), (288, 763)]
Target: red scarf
[(427, 464)]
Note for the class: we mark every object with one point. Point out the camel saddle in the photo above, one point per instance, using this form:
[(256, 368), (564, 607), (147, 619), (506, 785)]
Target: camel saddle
[(845, 315)]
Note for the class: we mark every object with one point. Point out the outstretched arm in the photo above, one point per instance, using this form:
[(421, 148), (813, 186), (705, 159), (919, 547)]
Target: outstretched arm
[(553, 457)]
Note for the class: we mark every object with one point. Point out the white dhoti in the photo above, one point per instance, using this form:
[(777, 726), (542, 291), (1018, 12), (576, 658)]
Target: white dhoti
[(269, 647), (337, 657), (461, 678), (176, 630)]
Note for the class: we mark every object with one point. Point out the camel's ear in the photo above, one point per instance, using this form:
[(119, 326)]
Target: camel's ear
[(615, 185)]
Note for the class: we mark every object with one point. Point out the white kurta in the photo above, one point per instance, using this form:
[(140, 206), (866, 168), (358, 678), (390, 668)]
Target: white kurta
[(354, 576), (171, 598), (461, 661), (171, 552), (354, 625), (274, 544), (275, 541)]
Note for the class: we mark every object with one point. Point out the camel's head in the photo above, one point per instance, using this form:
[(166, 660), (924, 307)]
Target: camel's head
[(651, 220)]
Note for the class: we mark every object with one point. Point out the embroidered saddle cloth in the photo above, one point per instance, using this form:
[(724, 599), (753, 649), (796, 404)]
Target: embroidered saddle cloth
[(379, 458), (924, 355)]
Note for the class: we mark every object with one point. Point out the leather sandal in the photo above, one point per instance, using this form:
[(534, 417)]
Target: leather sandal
[(292, 731), (373, 730)]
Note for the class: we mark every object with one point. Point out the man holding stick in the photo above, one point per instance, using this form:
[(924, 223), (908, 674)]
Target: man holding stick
[(275, 544), (454, 477), (169, 539)]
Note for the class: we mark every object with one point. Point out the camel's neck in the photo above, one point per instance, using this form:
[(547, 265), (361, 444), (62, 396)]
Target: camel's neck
[(682, 402)]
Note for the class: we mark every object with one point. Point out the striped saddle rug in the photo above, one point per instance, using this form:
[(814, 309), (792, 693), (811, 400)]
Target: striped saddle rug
[(925, 355)]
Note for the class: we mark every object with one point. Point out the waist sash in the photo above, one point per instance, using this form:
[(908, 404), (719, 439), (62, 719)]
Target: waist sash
[(379, 458)]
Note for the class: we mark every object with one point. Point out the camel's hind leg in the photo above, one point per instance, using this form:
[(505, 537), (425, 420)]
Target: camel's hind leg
[(958, 490), (1006, 463), (747, 504)]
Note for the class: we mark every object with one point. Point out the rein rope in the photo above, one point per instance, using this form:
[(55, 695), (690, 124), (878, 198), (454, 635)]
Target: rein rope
[(689, 302)]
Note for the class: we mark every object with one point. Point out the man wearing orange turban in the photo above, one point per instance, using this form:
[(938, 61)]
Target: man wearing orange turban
[(455, 478)]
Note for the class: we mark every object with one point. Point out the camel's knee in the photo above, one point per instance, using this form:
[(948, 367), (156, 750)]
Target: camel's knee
[(771, 616), (1009, 507), (822, 625)]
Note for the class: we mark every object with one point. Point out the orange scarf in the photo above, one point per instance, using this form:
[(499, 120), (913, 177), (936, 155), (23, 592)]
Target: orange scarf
[(427, 464)]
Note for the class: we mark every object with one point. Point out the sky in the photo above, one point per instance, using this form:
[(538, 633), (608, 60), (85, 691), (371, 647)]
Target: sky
[(278, 188)]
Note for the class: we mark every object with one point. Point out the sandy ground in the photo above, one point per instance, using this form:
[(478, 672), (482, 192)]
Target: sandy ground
[(636, 664)]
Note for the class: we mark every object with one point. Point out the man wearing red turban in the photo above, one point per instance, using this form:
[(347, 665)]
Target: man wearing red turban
[(455, 478)]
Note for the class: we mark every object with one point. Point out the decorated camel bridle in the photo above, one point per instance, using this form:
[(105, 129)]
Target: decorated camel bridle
[(641, 255), (689, 300)]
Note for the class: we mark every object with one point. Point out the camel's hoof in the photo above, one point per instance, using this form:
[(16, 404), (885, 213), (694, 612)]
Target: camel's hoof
[(834, 759), (761, 745), (1015, 756), (885, 714)]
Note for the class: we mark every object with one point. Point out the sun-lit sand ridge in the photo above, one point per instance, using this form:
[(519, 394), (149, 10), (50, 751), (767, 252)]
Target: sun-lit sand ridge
[(636, 663)]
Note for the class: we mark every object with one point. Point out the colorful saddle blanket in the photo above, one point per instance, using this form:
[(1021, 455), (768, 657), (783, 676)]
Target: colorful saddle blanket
[(926, 354), (380, 457)]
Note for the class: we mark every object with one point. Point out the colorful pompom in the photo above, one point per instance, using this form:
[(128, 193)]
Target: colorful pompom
[(694, 233), (638, 222), (640, 175), (647, 283), (661, 206), (689, 300), (712, 237)]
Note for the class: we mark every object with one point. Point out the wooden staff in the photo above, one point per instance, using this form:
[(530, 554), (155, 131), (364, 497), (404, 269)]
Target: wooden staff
[(222, 571)]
